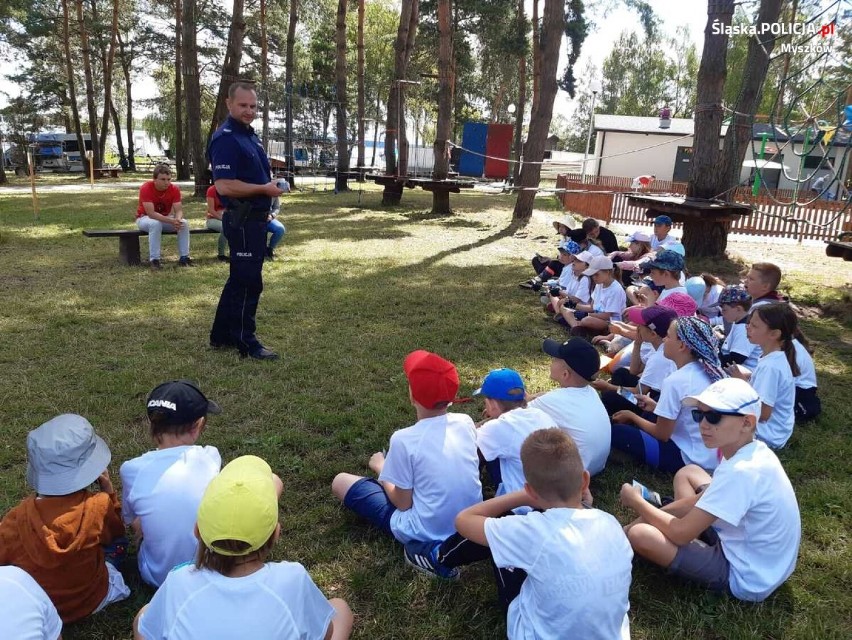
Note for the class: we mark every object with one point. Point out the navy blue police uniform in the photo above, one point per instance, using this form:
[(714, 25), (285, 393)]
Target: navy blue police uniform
[(236, 153)]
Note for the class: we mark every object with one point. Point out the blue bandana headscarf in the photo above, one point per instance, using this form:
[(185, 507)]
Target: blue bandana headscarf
[(698, 336)]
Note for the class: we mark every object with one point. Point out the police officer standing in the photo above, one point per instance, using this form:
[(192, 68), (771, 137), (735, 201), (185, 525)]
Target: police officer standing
[(241, 175)]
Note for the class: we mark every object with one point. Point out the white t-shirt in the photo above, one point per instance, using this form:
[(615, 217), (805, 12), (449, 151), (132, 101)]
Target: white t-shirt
[(501, 439), (667, 241), (657, 368), (737, 342), (581, 414), (689, 380), (709, 304), (758, 520), (667, 292), (437, 459), (594, 249), (578, 564), (163, 488), (773, 381), (278, 601), (26, 612), (611, 299), (579, 287), (807, 372)]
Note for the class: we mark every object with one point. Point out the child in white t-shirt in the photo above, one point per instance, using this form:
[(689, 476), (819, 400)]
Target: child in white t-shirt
[(666, 270), (499, 438), (652, 325), (773, 328), (25, 609), (808, 405), (230, 591), (564, 571), (576, 288), (736, 348), (746, 514), (607, 303), (431, 471), (161, 489), (673, 440), (576, 407)]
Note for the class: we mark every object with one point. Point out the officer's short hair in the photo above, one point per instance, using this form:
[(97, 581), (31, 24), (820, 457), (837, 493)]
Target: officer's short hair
[(245, 85), (161, 169)]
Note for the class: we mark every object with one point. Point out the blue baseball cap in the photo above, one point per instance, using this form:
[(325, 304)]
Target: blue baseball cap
[(663, 220), (569, 246), (502, 384), (666, 260)]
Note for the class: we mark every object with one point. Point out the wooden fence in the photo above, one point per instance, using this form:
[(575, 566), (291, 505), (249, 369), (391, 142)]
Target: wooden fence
[(603, 198)]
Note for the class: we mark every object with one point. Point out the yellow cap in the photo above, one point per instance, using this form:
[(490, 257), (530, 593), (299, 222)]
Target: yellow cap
[(239, 504)]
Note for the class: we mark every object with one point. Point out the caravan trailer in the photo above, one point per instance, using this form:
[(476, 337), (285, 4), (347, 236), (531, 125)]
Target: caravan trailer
[(58, 152)]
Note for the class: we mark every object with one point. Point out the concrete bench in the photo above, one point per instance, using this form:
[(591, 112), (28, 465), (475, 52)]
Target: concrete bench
[(128, 240)]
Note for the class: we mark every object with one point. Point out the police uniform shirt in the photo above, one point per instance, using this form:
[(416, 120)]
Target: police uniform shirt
[(236, 153)]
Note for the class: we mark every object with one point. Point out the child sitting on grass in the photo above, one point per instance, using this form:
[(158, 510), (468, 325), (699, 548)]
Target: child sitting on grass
[(575, 288), (562, 571), (231, 591), (25, 609), (736, 349), (161, 489), (762, 282), (432, 468), (608, 302), (746, 513), (665, 270), (672, 440), (57, 534), (508, 422), (773, 327), (575, 406)]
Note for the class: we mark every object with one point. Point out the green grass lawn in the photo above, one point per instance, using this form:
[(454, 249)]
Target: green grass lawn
[(356, 290)]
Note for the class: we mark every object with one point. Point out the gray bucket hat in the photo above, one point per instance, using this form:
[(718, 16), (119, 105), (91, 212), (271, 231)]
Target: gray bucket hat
[(64, 455)]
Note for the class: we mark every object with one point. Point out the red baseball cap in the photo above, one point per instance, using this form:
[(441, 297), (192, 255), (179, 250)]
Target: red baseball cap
[(432, 379)]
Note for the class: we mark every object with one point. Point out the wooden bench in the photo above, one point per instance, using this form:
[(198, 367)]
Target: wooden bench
[(107, 172), (128, 240)]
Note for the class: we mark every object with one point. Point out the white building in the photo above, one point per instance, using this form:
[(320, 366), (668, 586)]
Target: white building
[(628, 146)]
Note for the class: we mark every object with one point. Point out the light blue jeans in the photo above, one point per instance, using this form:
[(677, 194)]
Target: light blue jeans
[(277, 229), (155, 230)]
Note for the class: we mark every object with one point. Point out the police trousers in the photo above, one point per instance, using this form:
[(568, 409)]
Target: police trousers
[(234, 323)]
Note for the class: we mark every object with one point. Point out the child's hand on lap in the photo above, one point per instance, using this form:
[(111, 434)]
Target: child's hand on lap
[(377, 462)]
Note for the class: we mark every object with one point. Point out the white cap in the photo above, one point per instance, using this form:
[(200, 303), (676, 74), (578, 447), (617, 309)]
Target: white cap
[(598, 263), (638, 236), (728, 395), (584, 256)]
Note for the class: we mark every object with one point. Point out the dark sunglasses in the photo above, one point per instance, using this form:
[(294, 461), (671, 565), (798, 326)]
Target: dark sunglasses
[(711, 416)]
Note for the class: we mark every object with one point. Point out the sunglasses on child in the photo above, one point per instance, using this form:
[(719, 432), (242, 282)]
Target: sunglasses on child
[(712, 417)]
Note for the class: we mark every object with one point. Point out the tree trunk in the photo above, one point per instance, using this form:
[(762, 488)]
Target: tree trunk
[(181, 167), (376, 132), (108, 67), (288, 84), (550, 37), (536, 79), (522, 94), (360, 74), (122, 158), (779, 112), (264, 76), (740, 133), (704, 178), (409, 9), (90, 92), (341, 182), (192, 90), (441, 197), (69, 78), (3, 179), (231, 65), (128, 90)]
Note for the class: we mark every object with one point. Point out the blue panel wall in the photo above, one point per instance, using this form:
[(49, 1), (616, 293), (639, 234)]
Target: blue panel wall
[(474, 136)]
